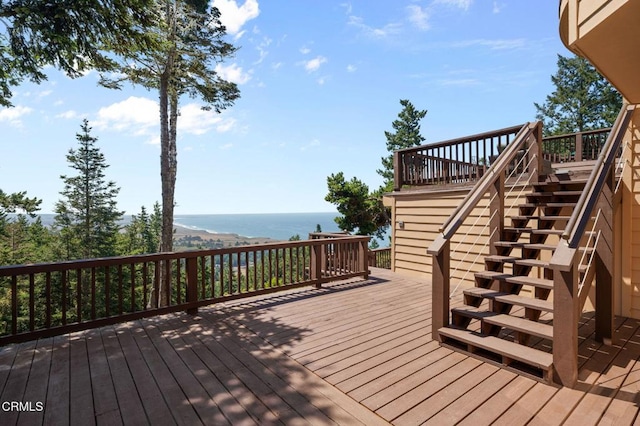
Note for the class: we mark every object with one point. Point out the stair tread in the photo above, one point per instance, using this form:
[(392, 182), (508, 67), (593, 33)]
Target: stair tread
[(527, 302), (538, 217), (516, 279), (472, 312), (532, 262), (511, 299), (532, 281), (500, 258), (521, 325), (502, 347), (526, 245)]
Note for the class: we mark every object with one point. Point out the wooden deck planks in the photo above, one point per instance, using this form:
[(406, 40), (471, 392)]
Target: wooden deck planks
[(262, 361)]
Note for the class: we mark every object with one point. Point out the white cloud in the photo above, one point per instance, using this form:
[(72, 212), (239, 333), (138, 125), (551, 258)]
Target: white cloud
[(305, 50), (419, 16), (460, 4), (262, 49), (314, 64), (13, 115), (516, 43), (276, 66), (351, 68), (136, 114), (461, 82), (387, 30), (226, 146), (233, 17), (68, 114), (497, 7), (140, 117), (194, 120), (232, 73), (322, 80), (45, 93), (348, 7)]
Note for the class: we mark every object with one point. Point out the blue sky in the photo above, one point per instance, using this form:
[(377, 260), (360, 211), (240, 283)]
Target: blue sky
[(320, 82)]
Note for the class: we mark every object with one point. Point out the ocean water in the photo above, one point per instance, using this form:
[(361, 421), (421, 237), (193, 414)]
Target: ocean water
[(278, 226)]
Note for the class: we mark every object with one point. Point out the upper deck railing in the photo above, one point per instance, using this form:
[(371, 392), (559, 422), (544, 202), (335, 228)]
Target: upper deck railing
[(54, 298), (465, 160)]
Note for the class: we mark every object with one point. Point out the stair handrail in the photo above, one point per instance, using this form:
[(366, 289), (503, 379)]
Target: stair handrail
[(460, 213), (570, 239)]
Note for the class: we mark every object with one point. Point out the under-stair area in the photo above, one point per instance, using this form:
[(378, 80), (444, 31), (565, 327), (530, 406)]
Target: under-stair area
[(507, 317)]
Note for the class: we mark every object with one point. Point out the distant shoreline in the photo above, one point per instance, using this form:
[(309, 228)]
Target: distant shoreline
[(225, 239)]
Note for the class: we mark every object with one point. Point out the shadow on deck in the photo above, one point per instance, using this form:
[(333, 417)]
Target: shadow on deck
[(357, 352)]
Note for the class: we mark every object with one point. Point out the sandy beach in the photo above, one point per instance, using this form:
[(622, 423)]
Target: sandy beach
[(183, 236)]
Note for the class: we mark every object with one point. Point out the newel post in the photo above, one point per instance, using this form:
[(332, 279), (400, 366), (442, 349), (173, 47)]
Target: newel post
[(317, 251), (363, 257), (397, 172), (192, 283), (566, 313), (440, 285), (579, 148), (535, 148)]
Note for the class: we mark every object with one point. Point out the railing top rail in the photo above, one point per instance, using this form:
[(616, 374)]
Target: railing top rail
[(466, 206), (471, 138), (9, 270), (587, 201), (570, 135)]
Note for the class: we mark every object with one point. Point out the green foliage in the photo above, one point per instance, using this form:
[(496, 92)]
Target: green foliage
[(406, 135), (374, 244), (582, 100), (188, 44), (87, 215), (142, 234), (362, 212), (71, 35)]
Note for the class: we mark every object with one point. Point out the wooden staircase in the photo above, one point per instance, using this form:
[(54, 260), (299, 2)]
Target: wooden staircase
[(507, 317)]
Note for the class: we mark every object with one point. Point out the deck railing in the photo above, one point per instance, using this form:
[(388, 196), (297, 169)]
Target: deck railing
[(454, 161), (380, 258), (572, 279), (526, 147), (465, 160), (581, 146), (54, 298)]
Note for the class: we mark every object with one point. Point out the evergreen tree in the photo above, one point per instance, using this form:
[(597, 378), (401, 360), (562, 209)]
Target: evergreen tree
[(406, 135), (189, 45), (87, 215), (582, 100), (142, 234), (71, 35), (361, 211)]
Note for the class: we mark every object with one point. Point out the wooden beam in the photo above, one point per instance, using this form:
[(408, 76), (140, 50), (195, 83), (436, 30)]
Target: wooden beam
[(565, 325)]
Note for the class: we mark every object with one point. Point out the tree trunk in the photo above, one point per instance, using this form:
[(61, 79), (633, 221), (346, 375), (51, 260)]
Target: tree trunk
[(168, 177)]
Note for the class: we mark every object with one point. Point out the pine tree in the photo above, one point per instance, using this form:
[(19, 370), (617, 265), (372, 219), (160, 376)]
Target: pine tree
[(582, 100), (406, 135), (87, 216)]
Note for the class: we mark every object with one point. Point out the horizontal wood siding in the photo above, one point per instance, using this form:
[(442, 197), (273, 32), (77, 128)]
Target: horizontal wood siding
[(630, 263), (422, 215)]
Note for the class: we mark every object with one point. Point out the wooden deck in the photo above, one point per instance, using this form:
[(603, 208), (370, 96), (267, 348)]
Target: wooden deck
[(351, 353)]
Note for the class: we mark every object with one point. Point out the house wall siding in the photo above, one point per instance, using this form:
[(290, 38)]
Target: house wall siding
[(629, 253), (422, 216)]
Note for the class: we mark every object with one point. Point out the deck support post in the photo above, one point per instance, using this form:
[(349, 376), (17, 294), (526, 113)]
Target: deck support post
[(579, 148), (566, 313), (441, 287), (604, 263), (192, 283)]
